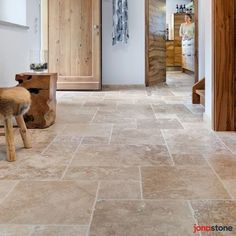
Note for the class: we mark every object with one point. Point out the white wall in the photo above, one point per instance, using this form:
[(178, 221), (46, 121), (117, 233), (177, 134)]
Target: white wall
[(13, 11), (170, 9), (209, 44), (16, 43), (206, 45), (124, 64), (201, 49)]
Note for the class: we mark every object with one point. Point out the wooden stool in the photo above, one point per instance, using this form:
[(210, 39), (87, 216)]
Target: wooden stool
[(14, 102)]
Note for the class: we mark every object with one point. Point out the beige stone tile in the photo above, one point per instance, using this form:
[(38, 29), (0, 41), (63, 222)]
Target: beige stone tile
[(88, 130), (195, 108), (111, 117), (119, 190), (62, 149), (194, 141), (36, 167), (193, 118), (196, 125), (229, 139), (60, 231), (177, 109), (230, 185), (96, 140), (5, 188), (159, 124), (139, 218), (181, 183), (67, 202), (71, 114), (16, 230), (190, 160), (215, 212), (103, 173), (224, 165), (137, 136), (121, 155)]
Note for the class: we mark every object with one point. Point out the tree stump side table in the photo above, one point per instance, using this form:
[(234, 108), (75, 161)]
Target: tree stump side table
[(42, 87)]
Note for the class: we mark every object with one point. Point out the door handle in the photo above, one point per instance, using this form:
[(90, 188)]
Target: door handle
[(96, 29)]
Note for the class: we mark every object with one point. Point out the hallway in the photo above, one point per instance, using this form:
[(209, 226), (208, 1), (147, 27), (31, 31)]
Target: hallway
[(124, 161)]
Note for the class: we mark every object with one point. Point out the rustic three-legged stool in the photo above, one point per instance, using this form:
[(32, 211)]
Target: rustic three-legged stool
[(14, 102)]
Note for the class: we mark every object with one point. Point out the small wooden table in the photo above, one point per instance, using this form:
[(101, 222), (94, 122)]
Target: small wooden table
[(42, 87)]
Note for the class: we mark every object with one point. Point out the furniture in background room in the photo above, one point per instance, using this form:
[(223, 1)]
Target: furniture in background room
[(42, 87), (188, 55), (14, 102)]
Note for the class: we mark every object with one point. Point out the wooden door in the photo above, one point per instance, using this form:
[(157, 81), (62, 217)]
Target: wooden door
[(155, 41), (75, 43), (224, 38)]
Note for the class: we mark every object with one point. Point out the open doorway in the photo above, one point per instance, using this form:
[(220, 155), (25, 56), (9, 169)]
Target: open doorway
[(165, 49)]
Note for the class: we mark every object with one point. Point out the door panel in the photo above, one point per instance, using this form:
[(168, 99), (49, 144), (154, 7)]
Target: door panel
[(74, 43), (155, 41)]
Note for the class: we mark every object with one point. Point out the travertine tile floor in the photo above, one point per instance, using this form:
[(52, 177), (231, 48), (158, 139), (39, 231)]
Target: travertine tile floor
[(122, 162)]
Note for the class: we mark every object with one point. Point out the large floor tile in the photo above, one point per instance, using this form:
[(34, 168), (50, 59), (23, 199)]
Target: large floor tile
[(87, 130), (35, 167), (224, 165), (47, 203), (16, 230), (137, 136), (121, 155), (111, 117), (190, 160), (5, 188), (119, 190), (60, 231), (139, 218), (102, 173), (178, 182), (178, 109), (159, 124), (194, 142), (229, 139)]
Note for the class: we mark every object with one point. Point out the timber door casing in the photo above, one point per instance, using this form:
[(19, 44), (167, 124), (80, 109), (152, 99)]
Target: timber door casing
[(224, 65), (75, 43), (155, 24)]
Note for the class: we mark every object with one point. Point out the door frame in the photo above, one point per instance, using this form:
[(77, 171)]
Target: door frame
[(224, 65)]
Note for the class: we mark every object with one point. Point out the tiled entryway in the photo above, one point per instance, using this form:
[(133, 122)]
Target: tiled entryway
[(121, 162)]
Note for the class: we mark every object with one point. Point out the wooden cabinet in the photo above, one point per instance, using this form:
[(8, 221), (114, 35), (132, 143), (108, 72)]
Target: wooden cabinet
[(188, 52), (42, 87)]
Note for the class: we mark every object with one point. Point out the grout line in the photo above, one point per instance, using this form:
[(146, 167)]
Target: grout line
[(171, 157), (94, 208), (193, 215), (91, 121), (72, 158), (141, 182), (222, 142), (50, 144), (218, 177), (112, 128), (8, 194)]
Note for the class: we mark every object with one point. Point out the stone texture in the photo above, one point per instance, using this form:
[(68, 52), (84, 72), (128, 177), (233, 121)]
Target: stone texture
[(139, 218), (49, 203), (181, 183)]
